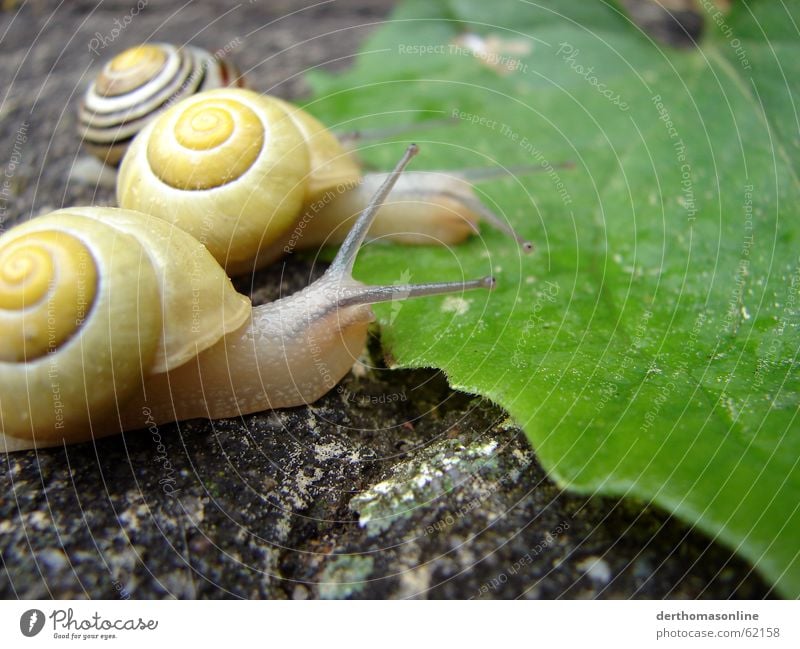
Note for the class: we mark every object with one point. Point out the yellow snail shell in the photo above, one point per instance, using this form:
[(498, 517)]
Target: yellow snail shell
[(234, 169), (137, 85), (92, 300)]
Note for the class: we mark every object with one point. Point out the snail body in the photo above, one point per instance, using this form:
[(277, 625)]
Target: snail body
[(140, 83), (154, 331), (253, 176)]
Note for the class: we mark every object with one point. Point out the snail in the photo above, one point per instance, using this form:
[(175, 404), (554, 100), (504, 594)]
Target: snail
[(138, 84), (252, 177), (113, 320)]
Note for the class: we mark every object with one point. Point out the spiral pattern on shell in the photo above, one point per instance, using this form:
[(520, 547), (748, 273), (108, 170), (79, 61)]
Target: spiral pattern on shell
[(48, 282), (207, 144), (139, 84), (234, 169)]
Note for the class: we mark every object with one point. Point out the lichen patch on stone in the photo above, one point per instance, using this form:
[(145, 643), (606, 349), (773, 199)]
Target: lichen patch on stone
[(345, 576)]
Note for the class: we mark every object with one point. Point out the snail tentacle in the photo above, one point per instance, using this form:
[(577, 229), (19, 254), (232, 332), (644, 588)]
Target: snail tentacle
[(346, 257)]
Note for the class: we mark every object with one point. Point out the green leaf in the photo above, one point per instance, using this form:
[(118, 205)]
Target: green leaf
[(649, 347)]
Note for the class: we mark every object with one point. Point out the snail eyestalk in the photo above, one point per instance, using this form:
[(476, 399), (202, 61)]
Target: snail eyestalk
[(375, 294), (381, 133), (346, 257), (342, 265), (481, 174)]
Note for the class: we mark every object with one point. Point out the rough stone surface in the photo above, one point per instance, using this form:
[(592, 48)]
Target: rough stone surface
[(390, 486)]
